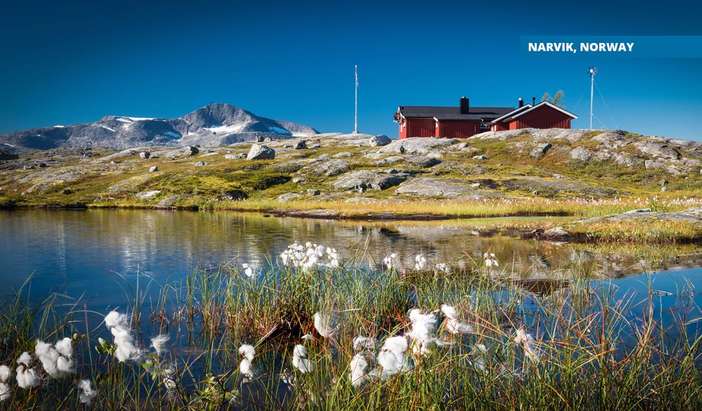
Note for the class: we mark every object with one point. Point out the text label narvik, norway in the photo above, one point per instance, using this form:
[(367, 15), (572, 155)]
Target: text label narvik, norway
[(583, 47)]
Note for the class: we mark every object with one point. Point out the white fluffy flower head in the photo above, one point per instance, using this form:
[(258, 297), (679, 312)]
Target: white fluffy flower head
[(86, 392), (310, 256), (159, 343), (118, 325), (300, 360)]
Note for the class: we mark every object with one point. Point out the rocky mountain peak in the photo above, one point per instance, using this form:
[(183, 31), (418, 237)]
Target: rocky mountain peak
[(215, 124), (217, 114)]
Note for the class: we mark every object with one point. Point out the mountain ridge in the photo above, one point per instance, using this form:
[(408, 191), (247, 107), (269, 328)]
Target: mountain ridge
[(214, 124)]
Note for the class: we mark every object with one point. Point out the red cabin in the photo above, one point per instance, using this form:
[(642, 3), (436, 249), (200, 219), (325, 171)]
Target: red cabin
[(542, 115), (465, 121)]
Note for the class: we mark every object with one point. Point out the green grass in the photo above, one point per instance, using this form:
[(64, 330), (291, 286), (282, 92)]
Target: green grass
[(644, 231)]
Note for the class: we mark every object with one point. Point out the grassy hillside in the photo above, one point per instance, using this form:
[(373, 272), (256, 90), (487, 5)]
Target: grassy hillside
[(519, 173)]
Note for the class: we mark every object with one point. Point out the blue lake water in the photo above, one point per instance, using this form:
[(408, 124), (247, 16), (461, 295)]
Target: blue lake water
[(101, 256)]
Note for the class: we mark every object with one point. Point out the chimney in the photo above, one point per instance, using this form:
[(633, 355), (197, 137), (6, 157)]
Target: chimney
[(533, 101), (520, 102), (465, 105)]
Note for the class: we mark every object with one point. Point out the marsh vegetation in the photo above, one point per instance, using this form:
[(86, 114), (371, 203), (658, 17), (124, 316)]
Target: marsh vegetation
[(316, 329)]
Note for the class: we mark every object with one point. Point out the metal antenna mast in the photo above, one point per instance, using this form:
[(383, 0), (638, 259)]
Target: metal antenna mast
[(355, 99), (592, 71)]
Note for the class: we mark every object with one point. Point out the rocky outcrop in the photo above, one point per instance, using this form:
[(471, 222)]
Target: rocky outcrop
[(556, 234), (438, 188), (423, 161), (288, 197), (540, 150), (549, 135), (332, 167), (130, 152), (672, 156), (417, 145), (168, 202), (147, 195), (288, 167), (260, 152), (182, 152), (389, 160), (379, 140), (657, 148), (369, 180), (551, 188), (580, 154)]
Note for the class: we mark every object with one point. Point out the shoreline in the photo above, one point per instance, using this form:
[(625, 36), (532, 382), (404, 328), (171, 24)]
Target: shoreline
[(576, 231)]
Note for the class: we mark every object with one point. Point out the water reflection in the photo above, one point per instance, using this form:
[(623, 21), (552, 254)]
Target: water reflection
[(92, 252)]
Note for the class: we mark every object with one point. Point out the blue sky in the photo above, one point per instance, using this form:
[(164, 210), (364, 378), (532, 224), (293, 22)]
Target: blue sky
[(77, 61)]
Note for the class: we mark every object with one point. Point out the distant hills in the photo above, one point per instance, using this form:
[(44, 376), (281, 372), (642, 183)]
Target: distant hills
[(212, 125)]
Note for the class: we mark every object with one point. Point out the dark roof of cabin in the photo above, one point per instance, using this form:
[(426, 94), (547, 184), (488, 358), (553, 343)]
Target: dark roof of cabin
[(454, 113)]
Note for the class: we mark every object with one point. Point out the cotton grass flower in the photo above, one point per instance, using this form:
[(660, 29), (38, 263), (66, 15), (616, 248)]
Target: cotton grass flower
[(248, 270), (159, 343), (423, 331), (86, 393), (5, 373), (65, 347), (453, 324), (55, 359), (325, 324), (528, 344), (490, 260), (359, 368), (442, 268), (309, 256), (4, 391), (390, 262), (26, 377), (25, 359), (420, 262), (300, 360), (392, 358), (246, 364), (118, 325), (168, 379)]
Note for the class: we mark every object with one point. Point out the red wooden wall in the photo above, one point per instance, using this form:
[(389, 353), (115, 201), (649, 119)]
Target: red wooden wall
[(458, 128), (542, 117), (418, 127)]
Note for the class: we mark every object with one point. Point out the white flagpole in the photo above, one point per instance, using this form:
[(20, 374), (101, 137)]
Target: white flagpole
[(592, 71), (355, 99)]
